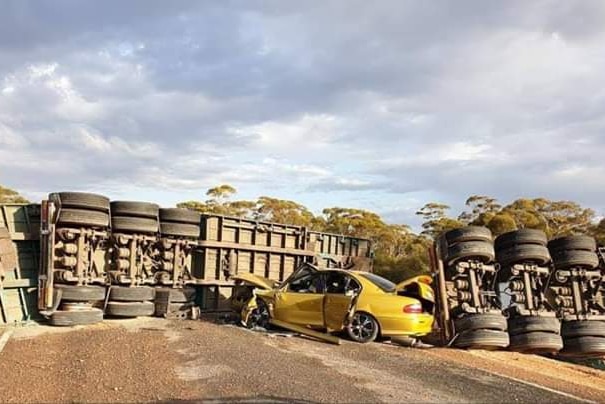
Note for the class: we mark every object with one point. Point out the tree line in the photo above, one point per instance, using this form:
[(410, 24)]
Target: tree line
[(399, 252)]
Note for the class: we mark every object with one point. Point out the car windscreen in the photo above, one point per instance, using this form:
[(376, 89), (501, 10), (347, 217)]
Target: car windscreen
[(379, 281)]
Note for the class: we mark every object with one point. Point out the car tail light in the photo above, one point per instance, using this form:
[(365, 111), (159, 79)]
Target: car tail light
[(413, 308)]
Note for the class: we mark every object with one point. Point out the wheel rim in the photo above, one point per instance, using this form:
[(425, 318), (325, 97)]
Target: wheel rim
[(362, 326), (259, 317)]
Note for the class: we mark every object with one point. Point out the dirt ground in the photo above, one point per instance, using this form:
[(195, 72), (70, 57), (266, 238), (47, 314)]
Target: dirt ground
[(159, 360)]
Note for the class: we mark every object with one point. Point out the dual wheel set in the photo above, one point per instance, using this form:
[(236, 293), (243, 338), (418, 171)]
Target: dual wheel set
[(538, 330), (470, 275), (82, 305), (79, 209), (531, 334), (133, 217), (121, 241)]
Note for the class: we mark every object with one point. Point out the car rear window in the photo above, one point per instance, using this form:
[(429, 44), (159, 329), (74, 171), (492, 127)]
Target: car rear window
[(379, 281)]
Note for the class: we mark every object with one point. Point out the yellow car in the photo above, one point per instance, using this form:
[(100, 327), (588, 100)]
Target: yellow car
[(363, 304)]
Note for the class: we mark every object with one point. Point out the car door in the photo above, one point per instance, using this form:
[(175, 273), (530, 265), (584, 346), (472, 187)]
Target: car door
[(300, 301), (341, 293)]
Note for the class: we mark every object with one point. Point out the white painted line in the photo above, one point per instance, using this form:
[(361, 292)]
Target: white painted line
[(539, 386), (4, 338)]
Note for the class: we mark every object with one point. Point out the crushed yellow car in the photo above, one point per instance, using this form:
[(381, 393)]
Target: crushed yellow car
[(363, 304)]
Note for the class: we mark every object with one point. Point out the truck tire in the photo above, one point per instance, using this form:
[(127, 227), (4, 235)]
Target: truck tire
[(585, 243), (180, 230), (134, 224), (565, 259), (131, 294), (175, 295), (528, 324), (536, 342), (180, 215), (527, 253), (133, 208), (584, 346), (130, 309), (81, 217), (76, 317), (489, 321), (469, 233), (81, 200), (479, 250), (482, 339), (583, 328), (71, 293), (522, 236)]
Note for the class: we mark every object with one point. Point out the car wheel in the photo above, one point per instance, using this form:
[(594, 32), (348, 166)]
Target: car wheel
[(363, 328), (259, 317)]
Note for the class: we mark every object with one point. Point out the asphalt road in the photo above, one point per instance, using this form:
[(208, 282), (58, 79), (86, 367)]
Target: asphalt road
[(160, 360)]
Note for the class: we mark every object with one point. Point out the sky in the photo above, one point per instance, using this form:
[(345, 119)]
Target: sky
[(383, 105)]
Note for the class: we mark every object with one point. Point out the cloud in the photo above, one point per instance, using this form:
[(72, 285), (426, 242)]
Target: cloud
[(386, 108)]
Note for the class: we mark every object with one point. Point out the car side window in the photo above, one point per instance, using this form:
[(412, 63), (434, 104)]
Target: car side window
[(352, 287), (310, 283), (336, 283)]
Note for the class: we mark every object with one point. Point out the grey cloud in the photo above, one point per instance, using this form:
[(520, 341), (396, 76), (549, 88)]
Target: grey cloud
[(172, 95), (334, 184)]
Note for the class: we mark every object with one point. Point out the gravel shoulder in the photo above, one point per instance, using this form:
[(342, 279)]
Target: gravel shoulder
[(158, 360)]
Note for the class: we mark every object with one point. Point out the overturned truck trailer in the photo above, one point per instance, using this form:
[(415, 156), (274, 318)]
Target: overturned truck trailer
[(78, 257), (520, 291)]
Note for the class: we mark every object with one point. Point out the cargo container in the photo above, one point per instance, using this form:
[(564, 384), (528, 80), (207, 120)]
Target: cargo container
[(231, 245)]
